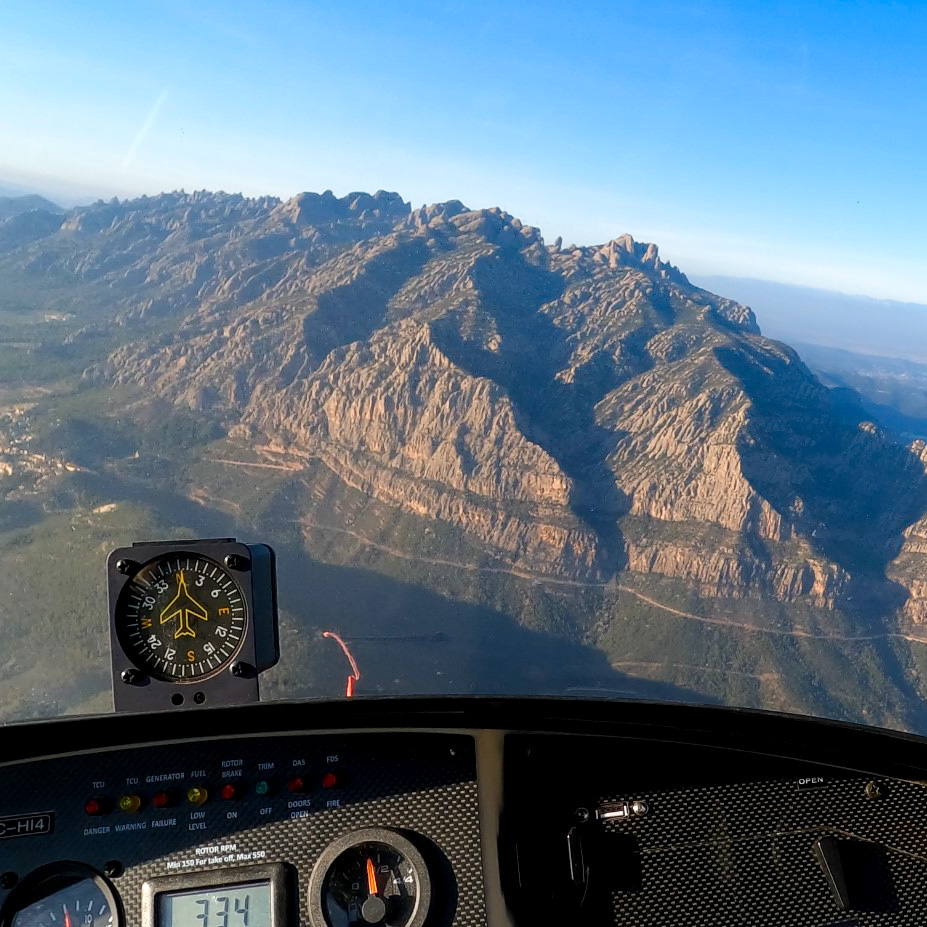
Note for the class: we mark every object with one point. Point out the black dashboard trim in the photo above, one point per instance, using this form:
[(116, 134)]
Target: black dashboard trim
[(813, 740)]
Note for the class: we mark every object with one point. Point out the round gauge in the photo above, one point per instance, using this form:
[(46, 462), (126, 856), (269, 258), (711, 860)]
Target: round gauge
[(181, 618), (62, 895), (370, 877)]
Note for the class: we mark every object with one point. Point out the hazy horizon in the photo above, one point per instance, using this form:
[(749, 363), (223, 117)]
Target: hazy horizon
[(781, 144), (857, 323)]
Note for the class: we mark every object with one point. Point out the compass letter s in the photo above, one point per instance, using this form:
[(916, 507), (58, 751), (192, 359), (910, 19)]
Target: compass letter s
[(182, 608)]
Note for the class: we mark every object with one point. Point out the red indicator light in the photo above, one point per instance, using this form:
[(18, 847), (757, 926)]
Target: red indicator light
[(228, 791), (94, 806), (297, 784), (161, 800), (329, 781)]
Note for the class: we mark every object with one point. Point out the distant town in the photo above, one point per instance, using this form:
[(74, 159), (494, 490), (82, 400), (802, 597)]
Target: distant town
[(17, 460)]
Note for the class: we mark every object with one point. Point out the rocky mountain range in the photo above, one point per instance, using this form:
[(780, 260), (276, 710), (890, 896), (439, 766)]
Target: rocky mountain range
[(452, 389)]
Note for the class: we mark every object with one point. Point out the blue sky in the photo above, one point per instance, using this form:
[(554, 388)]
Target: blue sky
[(786, 141)]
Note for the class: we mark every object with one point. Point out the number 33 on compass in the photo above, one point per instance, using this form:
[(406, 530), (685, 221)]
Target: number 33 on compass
[(188, 614)]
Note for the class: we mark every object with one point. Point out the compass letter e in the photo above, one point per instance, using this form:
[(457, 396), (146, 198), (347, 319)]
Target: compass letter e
[(182, 608)]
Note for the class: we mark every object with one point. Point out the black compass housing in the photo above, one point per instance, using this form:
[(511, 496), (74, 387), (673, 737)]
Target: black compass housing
[(234, 680)]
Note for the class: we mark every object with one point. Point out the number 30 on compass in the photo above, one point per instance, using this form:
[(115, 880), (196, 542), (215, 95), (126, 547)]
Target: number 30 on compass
[(185, 615)]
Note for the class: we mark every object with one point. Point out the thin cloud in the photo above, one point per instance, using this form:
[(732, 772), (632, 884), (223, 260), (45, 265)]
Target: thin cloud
[(142, 133)]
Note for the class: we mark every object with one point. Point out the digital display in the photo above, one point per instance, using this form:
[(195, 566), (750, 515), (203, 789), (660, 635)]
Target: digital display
[(223, 906)]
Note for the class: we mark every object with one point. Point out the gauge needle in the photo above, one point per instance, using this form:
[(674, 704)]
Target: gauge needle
[(371, 880), (67, 918)]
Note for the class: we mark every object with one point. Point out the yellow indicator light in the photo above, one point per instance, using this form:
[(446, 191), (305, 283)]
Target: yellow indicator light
[(130, 803), (196, 795)]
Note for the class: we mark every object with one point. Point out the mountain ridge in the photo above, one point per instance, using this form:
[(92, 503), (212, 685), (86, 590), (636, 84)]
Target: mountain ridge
[(573, 347), (16, 204), (438, 389)]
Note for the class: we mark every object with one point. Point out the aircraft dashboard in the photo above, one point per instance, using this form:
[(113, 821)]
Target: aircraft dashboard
[(460, 812)]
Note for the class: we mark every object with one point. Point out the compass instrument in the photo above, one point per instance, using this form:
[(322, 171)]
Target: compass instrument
[(182, 618), (191, 615)]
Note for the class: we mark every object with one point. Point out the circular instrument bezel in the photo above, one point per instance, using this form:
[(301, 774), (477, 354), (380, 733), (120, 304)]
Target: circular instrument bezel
[(52, 877), (122, 618), (392, 839)]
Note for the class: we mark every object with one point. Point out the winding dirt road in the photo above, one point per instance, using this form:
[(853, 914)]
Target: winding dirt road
[(581, 584)]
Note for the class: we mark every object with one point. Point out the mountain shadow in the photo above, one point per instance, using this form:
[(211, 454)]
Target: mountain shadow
[(355, 310), (558, 416), (887, 416), (409, 640), (847, 487)]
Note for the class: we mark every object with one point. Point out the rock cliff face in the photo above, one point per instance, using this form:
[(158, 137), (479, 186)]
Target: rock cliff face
[(572, 412), (909, 568)]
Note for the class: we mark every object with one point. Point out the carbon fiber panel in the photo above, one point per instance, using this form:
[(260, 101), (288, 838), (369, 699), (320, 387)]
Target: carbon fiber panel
[(726, 839), (420, 783), (742, 854)]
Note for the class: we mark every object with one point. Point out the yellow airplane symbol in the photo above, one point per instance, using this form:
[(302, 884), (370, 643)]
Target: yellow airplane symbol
[(182, 608)]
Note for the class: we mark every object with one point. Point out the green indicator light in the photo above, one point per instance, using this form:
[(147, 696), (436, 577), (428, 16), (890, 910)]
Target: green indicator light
[(262, 788)]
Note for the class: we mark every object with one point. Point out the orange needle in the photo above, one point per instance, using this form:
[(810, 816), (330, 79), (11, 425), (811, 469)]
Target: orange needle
[(371, 877), (67, 918)]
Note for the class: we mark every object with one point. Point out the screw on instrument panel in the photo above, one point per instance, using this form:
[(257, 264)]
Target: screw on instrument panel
[(125, 566), (873, 790), (8, 880), (237, 562), (240, 669), (581, 814), (132, 677), (112, 869), (199, 697)]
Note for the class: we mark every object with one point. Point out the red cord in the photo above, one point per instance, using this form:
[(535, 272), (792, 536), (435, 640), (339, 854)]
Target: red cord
[(354, 678)]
